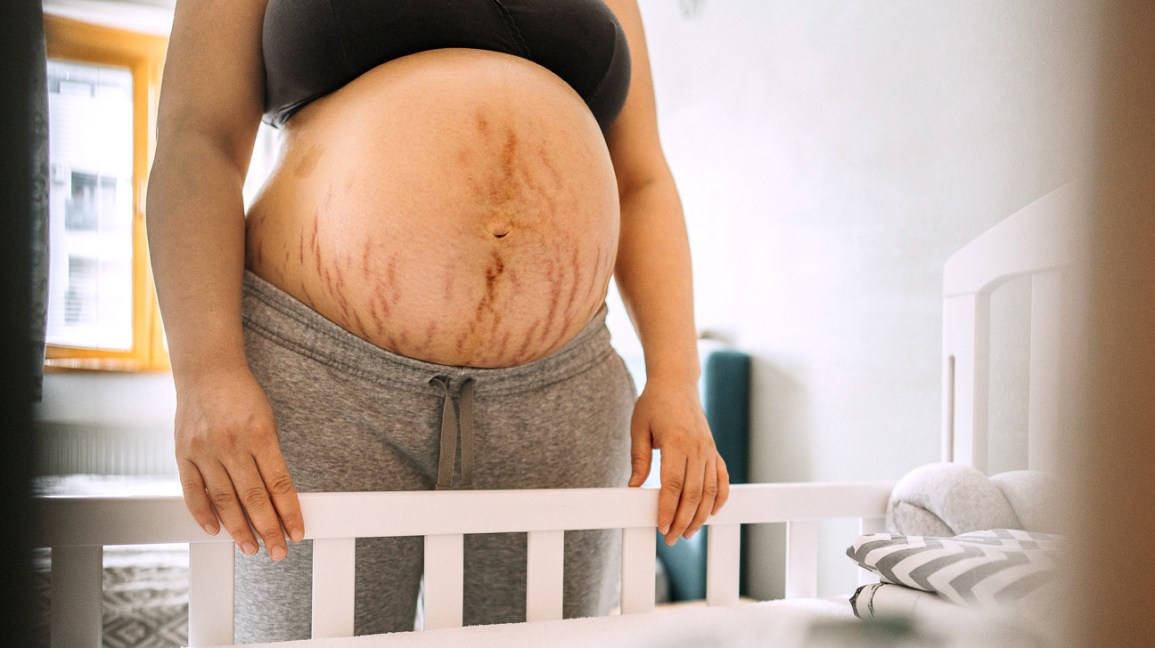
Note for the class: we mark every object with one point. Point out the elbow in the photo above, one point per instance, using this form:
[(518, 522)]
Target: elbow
[(654, 193), (154, 194), (628, 189), (149, 202), (658, 178)]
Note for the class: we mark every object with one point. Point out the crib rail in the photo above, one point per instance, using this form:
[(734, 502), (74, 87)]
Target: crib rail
[(77, 527)]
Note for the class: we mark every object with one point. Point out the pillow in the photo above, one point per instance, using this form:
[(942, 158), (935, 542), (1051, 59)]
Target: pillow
[(945, 499), (1036, 497), (985, 568)]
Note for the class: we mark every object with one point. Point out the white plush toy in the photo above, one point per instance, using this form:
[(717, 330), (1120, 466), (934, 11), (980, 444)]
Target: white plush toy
[(947, 499)]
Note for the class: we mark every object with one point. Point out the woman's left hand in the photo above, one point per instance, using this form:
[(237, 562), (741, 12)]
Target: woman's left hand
[(695, 484)]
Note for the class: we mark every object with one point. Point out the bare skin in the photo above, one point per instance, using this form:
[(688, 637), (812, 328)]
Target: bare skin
[(499, 262), (512, 241)]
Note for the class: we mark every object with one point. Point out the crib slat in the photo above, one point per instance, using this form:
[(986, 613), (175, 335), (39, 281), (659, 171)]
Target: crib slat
[(639, 550), (210, 593), (869, 525), (722, 564), (77, 595), (334, 561), (545, 564), (801, 559), (444, 567), (966, 348)]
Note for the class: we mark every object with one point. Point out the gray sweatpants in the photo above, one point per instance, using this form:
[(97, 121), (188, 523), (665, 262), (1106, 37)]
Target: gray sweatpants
[(352, 416)]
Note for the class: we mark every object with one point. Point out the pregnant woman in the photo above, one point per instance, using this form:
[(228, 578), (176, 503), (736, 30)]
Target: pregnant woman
[(416, 298)]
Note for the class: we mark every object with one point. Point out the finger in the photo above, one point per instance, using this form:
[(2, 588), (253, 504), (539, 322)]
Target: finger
[(673, 471), (224, 499), (691, 497), (279, 484), (193, 486), (709, 493), (723, 486), (641, 452), (255, 498)]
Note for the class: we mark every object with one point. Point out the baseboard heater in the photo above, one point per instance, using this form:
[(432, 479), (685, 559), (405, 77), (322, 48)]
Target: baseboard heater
[(72, 448)]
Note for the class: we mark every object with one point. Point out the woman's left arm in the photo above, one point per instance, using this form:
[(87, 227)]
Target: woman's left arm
[(653, 277)]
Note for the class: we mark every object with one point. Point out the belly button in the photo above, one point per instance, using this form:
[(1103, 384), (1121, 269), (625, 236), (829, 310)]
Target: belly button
[(499, 230)]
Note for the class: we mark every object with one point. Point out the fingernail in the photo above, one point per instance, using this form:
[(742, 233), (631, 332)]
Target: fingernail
[(665, 528), (296, 534), (209, 529), (249, 549), (670, 541), (277, 553)]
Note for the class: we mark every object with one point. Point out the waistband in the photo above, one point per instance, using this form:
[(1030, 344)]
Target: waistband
[(275, 313)]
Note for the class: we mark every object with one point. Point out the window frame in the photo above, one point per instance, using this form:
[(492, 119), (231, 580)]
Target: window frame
[(143, 54)]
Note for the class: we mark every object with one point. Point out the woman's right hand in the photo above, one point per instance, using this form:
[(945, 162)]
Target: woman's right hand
[(230, 461)]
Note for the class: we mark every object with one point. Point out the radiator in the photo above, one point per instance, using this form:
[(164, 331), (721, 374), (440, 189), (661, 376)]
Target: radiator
[(72, 448)]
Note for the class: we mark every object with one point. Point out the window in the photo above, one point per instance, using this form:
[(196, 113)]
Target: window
[(102, 84)]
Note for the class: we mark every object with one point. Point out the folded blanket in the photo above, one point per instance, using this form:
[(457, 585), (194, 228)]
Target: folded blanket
[(999, 568), (882, 600), (935, 617)]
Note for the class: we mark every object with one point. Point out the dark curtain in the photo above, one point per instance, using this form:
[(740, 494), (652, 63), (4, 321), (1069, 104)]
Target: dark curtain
[(37, 210), (23, 212)]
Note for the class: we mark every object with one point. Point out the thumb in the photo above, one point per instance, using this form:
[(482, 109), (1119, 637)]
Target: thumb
[(640, 453)]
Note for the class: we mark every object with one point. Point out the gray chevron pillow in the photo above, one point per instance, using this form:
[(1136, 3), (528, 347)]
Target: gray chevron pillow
[(995, 567)]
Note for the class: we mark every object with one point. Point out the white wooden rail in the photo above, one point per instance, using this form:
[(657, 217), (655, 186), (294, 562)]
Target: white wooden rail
[(1041, 241), (77, 527)]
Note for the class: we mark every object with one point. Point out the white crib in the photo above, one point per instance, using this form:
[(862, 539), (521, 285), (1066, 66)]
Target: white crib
[(1039, 240)]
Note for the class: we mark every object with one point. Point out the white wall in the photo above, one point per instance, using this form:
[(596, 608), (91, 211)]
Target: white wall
[(830, 156), (121, 399), (106, 423), (149, 16)]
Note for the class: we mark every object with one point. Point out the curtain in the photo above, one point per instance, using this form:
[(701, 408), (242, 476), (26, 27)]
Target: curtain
[(38, 212), (23, 226)]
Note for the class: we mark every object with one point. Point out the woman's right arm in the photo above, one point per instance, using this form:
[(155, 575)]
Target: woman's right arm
[(210, 105)]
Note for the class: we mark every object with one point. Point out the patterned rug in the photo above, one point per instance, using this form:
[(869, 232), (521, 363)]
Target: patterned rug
[(145, 596)]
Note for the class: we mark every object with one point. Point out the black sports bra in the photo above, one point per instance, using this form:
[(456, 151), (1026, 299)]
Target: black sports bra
[(313, 47)]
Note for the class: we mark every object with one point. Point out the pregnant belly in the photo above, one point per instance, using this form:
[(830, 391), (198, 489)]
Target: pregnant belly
[(458, 206)]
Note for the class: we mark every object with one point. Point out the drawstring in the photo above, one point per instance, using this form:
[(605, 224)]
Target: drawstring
[(449, 431), (467, 433)]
